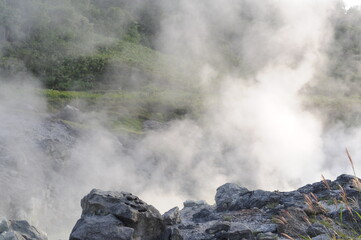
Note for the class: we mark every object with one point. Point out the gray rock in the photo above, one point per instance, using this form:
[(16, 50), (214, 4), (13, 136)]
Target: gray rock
[(316, 229), (227, 196), (172, 233), (191, 203), (11, 236), (219, 227), (292, 199), (118, 211), (4, 226), (258, 199), (322, 237), (267, 236), (172, 217), (204, 215), (237, 214), (26, 230), (265, 228), (101, 227), (237, 235), (21, 230), (295, 222)]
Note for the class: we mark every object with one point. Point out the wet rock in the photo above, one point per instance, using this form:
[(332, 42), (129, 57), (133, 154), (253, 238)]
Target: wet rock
[(119, 211)]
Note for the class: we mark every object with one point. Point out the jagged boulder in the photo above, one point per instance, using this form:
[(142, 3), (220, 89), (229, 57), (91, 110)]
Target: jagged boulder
[(117, 215), (19, 230), (230, 197), (227, 196), (321, 210)]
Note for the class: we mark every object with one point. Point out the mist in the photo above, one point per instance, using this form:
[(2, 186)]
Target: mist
[(253, 128)]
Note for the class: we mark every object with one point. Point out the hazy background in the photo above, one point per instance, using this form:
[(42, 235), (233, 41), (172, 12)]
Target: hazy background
[(263, 71)]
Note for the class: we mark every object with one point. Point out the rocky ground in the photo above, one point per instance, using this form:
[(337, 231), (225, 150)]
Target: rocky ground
[(323, 210)]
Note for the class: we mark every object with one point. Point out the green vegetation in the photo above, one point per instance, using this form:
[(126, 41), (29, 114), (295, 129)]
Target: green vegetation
[(71, 44), (127, 110), (105, 50)]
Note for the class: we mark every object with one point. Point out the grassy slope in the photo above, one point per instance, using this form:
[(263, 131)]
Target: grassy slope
[(126, 110)]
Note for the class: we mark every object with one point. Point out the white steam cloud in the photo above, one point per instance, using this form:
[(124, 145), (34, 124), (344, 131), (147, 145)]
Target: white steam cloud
[(253, 129)]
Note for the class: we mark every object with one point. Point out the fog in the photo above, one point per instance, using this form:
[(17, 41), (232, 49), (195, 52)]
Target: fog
[(254, 128)]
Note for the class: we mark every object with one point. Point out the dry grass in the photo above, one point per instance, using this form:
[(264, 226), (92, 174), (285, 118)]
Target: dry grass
[(351, 161)]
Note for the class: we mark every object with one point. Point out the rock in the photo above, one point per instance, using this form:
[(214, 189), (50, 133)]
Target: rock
[(204, 215), (4, 226), (70, 113), (322, 237), (153, 125), (172, 217), (316, 229), (190, 203), (292, 199), (219, 227), (101, 227), (237, 235), (238, 214), (348, 217), (259, 199), (265, 228), (293, 222), (120, 213), (20, 230), (267, 236), (11, 236), (172, 233), (345, 180), (227, 196)]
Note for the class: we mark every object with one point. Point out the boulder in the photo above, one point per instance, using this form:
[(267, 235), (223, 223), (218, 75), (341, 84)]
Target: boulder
[(123, 215), (172, 217), (101, 227), (219, 227), (228, 195), (20, 230)]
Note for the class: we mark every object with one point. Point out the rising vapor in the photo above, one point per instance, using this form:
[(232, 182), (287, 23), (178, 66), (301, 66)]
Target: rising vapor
[(253, 128)]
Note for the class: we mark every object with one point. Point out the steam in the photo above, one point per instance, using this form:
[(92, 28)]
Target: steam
[(254, 129)]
